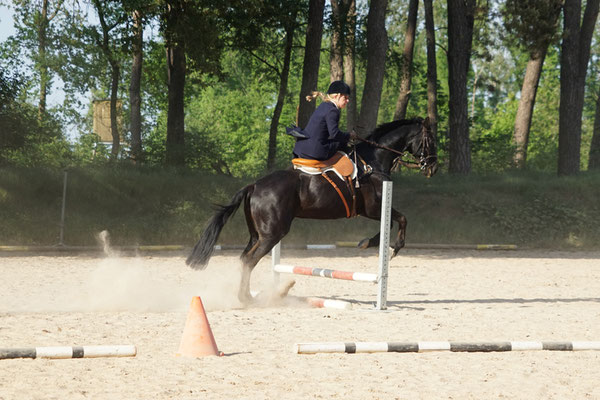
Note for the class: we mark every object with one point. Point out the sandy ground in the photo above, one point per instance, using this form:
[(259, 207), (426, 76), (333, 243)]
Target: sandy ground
[(433, 296)]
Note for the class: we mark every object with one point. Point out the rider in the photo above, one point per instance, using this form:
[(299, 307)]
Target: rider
[(323, 136)]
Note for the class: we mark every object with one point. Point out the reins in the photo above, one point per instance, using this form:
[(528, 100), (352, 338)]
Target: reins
[(397, 160), (375, 144)]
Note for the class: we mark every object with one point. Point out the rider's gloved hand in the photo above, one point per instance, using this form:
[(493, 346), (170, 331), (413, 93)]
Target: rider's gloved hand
[(354, 138)]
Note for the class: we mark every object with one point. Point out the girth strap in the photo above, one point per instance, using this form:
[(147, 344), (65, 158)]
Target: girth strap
[(353, 192), (339, 192)]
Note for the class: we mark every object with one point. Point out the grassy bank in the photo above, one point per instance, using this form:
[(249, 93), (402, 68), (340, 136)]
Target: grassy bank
[(158, 206)]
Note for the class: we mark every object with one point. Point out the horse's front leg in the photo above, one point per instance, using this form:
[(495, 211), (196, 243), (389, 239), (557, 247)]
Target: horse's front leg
[(369, 242), (401, 237)]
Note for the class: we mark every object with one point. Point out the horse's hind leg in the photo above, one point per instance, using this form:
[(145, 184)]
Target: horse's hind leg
[(249, 260), (248, 264), (251, 242), (244, 294), (251, 229), (269, 215)]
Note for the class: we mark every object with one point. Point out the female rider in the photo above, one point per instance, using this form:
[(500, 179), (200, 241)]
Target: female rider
[(323, 136)]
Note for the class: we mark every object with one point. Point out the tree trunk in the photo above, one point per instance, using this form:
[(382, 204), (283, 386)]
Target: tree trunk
[(526, 104), (407, 60), (283, 82), (312, 55), (376, 49), (175, 151), (432, 112), (41, 63), (569, 121), (349, 65), (460, 35), (594, 157), (115, 75), (575, 55), (135, 98), (336, 62)]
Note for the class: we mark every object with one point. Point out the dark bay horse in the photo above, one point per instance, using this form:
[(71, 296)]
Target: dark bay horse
[(273, 201)]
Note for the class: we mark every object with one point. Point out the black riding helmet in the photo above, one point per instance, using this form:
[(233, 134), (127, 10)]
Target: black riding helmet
[(339, 87)]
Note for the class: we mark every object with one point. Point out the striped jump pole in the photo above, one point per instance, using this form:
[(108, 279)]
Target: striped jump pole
[(318, 302), (69, 352), (326, 273), (384, 246), (422, 347)]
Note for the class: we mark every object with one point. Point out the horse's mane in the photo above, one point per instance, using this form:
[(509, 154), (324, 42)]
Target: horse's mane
[(382, 129)]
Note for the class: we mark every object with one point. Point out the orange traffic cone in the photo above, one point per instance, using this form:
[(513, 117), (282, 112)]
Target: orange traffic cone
[(197, 339)]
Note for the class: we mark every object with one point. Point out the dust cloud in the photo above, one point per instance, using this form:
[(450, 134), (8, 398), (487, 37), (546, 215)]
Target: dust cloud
[(116, 282), (129, 283)]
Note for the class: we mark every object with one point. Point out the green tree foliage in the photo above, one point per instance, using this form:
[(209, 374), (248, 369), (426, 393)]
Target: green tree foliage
[(24, 140), (234, 55), (530, 23), (37, 35), (491, 145), (228, 121), (227, 134)]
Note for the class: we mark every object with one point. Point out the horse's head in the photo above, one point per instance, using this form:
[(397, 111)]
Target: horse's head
[(422, 146), (393, 140)]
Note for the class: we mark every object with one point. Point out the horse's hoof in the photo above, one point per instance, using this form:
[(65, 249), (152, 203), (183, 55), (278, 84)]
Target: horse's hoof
[(363, 244)]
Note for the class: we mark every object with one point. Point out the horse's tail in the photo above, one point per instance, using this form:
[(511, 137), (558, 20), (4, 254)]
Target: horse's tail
[(206, 245)]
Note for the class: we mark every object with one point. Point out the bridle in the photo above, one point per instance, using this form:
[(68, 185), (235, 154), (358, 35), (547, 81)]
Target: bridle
[(426, 145), (423, 162)]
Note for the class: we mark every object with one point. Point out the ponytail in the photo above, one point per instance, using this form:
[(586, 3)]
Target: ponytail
[(314, 95)]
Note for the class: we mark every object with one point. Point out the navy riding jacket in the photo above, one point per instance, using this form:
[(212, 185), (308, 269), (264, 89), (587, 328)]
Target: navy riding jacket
[(323, 137)]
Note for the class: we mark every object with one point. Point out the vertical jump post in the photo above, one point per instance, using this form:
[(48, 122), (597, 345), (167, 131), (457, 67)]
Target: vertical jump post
[(384, 244), (275, 257)]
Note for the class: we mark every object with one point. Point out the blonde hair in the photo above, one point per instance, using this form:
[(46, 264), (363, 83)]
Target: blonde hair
[(314, 95)]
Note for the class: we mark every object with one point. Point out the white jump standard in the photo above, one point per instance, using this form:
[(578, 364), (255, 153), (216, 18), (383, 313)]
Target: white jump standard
[(69, 352), (384, 257), (422, 347)]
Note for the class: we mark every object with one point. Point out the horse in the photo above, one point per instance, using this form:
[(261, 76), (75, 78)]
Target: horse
[(273, 201)]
